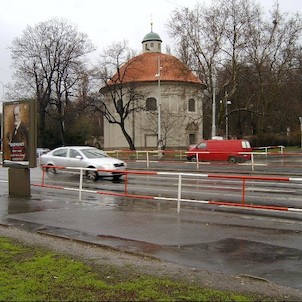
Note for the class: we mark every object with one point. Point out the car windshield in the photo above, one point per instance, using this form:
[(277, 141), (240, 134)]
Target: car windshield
[(94, 153)]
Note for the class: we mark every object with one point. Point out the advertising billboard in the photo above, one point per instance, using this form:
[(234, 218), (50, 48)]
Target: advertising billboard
[(19, 134)]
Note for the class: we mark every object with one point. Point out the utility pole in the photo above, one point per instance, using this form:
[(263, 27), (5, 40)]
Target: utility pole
[(159, 140), (214, 109)]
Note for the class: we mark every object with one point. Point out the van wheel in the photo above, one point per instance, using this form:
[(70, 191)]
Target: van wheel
[(232, 160), (193, 159)]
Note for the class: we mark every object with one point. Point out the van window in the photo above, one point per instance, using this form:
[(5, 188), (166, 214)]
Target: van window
[(245, 144), (201, 146)]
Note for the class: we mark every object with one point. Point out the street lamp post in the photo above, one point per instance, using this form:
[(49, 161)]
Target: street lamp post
[(227, 102), (227, 118), (214, 110), (300, 118), (159, 140)]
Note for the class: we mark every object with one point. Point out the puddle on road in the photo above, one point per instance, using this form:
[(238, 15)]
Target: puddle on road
[(131, 245), (24, 205), (237, 256), (29, 205), (234, 256), (257, 251)]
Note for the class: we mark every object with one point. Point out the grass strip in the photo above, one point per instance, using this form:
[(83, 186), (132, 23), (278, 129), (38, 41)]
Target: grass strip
[(29, 273)]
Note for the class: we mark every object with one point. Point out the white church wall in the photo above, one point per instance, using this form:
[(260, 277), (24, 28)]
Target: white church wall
[(174, 96)]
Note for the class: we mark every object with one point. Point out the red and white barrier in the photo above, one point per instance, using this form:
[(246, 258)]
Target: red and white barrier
[(179, 199)]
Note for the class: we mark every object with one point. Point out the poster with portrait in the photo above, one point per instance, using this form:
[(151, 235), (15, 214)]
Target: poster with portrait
[(18, 135)]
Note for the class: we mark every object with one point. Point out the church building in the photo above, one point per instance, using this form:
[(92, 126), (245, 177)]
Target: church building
[(167, 95)]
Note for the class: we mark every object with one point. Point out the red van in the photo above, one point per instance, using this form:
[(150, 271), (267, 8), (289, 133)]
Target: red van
[(222, 150)]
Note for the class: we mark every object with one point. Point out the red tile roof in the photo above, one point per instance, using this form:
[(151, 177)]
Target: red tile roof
[(144, 68)]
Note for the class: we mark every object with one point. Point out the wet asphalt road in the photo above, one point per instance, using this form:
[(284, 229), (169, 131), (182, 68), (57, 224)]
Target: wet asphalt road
[(234, 242)]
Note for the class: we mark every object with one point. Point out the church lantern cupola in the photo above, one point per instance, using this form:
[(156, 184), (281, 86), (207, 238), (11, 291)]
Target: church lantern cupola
[(152, 42)]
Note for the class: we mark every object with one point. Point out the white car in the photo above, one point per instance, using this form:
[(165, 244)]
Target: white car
[(82, 157), (41, 151)]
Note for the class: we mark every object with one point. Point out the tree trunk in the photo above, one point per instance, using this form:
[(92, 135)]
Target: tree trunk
[(128, 137), (62, 133), (41, 122)]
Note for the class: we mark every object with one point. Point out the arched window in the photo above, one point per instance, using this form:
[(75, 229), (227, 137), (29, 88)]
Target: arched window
[(151, 104), (191, 105)]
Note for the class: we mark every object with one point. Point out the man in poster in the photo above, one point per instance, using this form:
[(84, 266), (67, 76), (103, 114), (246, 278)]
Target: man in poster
[(17, 138), (19, 144)]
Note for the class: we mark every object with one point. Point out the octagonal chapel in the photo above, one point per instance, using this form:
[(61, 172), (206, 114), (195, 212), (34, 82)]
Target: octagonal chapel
[(169, 96)]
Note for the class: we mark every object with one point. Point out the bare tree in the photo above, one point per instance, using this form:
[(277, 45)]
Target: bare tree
[(49, 62), (232, 42), (120, 97), (211, 40), (271, 53)]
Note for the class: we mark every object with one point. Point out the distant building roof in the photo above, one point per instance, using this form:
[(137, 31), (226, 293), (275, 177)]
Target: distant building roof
[(144, 68)]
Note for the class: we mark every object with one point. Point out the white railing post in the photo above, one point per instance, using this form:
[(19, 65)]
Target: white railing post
[(281, 152), (81, 185), (252, 158), (147, 154), (179, 193)]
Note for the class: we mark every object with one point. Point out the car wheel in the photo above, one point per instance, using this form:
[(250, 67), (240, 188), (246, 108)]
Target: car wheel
[(193, 159), (51, 171), (92, 175), (232, 159), (117, 176)]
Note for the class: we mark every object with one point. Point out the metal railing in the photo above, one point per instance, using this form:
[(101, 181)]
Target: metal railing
[(154, 156), (241, 185)]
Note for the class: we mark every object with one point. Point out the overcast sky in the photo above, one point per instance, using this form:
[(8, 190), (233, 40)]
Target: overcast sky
[(104, 21)]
